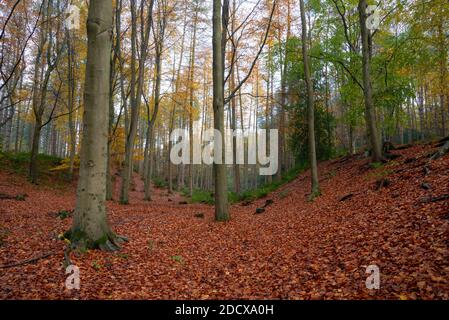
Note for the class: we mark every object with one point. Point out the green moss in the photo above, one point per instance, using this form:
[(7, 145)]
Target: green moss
[(160, 183), (96, 265), (376, 165), (123, 256), (100, 241), (18, 163), (178, 259), (264, 190), (79, 239), (201, 196), (64, 214)]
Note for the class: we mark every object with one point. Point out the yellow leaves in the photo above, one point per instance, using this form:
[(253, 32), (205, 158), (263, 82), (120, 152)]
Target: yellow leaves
[(65, 164), (118, 142), (139, 156), (402, 296)]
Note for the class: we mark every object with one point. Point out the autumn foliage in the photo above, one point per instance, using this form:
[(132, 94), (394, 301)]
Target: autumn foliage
[(295, 249)]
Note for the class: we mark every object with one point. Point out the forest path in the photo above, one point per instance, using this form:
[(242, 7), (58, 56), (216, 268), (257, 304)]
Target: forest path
[(296, 249)]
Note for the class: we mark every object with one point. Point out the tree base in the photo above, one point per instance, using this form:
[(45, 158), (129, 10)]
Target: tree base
[(222, 217), (315, 194), (81, 241)]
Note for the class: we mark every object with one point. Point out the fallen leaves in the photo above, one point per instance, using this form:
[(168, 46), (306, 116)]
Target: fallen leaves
[(295, 250)]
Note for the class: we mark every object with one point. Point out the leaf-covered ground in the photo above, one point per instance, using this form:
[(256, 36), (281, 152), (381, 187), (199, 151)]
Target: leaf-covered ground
[(294, 250)]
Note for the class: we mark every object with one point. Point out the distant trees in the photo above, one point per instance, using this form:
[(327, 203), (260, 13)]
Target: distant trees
[(159, 38), (136, 86), (331, 88), (49, 51)]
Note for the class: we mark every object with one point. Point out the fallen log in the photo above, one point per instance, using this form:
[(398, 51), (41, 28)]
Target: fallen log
[(19, 197), (267, 203), (435, 199), (346, 197), (31, 260), (441, 152), (403, 147)]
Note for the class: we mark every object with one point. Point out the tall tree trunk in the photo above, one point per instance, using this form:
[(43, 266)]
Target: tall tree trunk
[(268, 178), (71, 102), (282, 124), (35, 150), (221, 192), (90, 224), (136, 89), (35, 136), (310, 106), (174, 102), (152, 117), (131, 135), (442, 44), (191, 99), (370, 113), (232, 85)]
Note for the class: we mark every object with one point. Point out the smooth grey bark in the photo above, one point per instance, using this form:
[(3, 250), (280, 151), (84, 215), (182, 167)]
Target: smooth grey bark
[(71, 102), (192, 97), (310, 106), (112, 82), (136, 90), (236, 166), (174, 102), (131, 135), (370, 113), (90, 224), (159, 46), (221, 192)]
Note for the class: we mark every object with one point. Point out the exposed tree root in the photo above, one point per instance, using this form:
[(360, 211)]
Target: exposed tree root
[(108, 242), (314, 195), (112, 243), (441, 152)]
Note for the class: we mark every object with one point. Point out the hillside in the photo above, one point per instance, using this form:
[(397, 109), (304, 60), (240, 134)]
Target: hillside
[(395, 216)]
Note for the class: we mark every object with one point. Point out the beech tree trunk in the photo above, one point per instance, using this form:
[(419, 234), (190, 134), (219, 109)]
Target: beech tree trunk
[(221, 192), (71, 104), (152, 117), (310, 106), (191, 98), (370, 113), (35, 151), (232, 85), (131, 135), (90, 227)]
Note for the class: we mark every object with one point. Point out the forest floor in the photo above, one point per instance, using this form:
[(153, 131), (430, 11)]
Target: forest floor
[(296, 249)]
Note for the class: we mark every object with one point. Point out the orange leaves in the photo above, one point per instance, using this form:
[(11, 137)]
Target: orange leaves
[(295, 250)]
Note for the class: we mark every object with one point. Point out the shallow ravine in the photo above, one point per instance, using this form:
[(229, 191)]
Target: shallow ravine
[(294, 250)]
